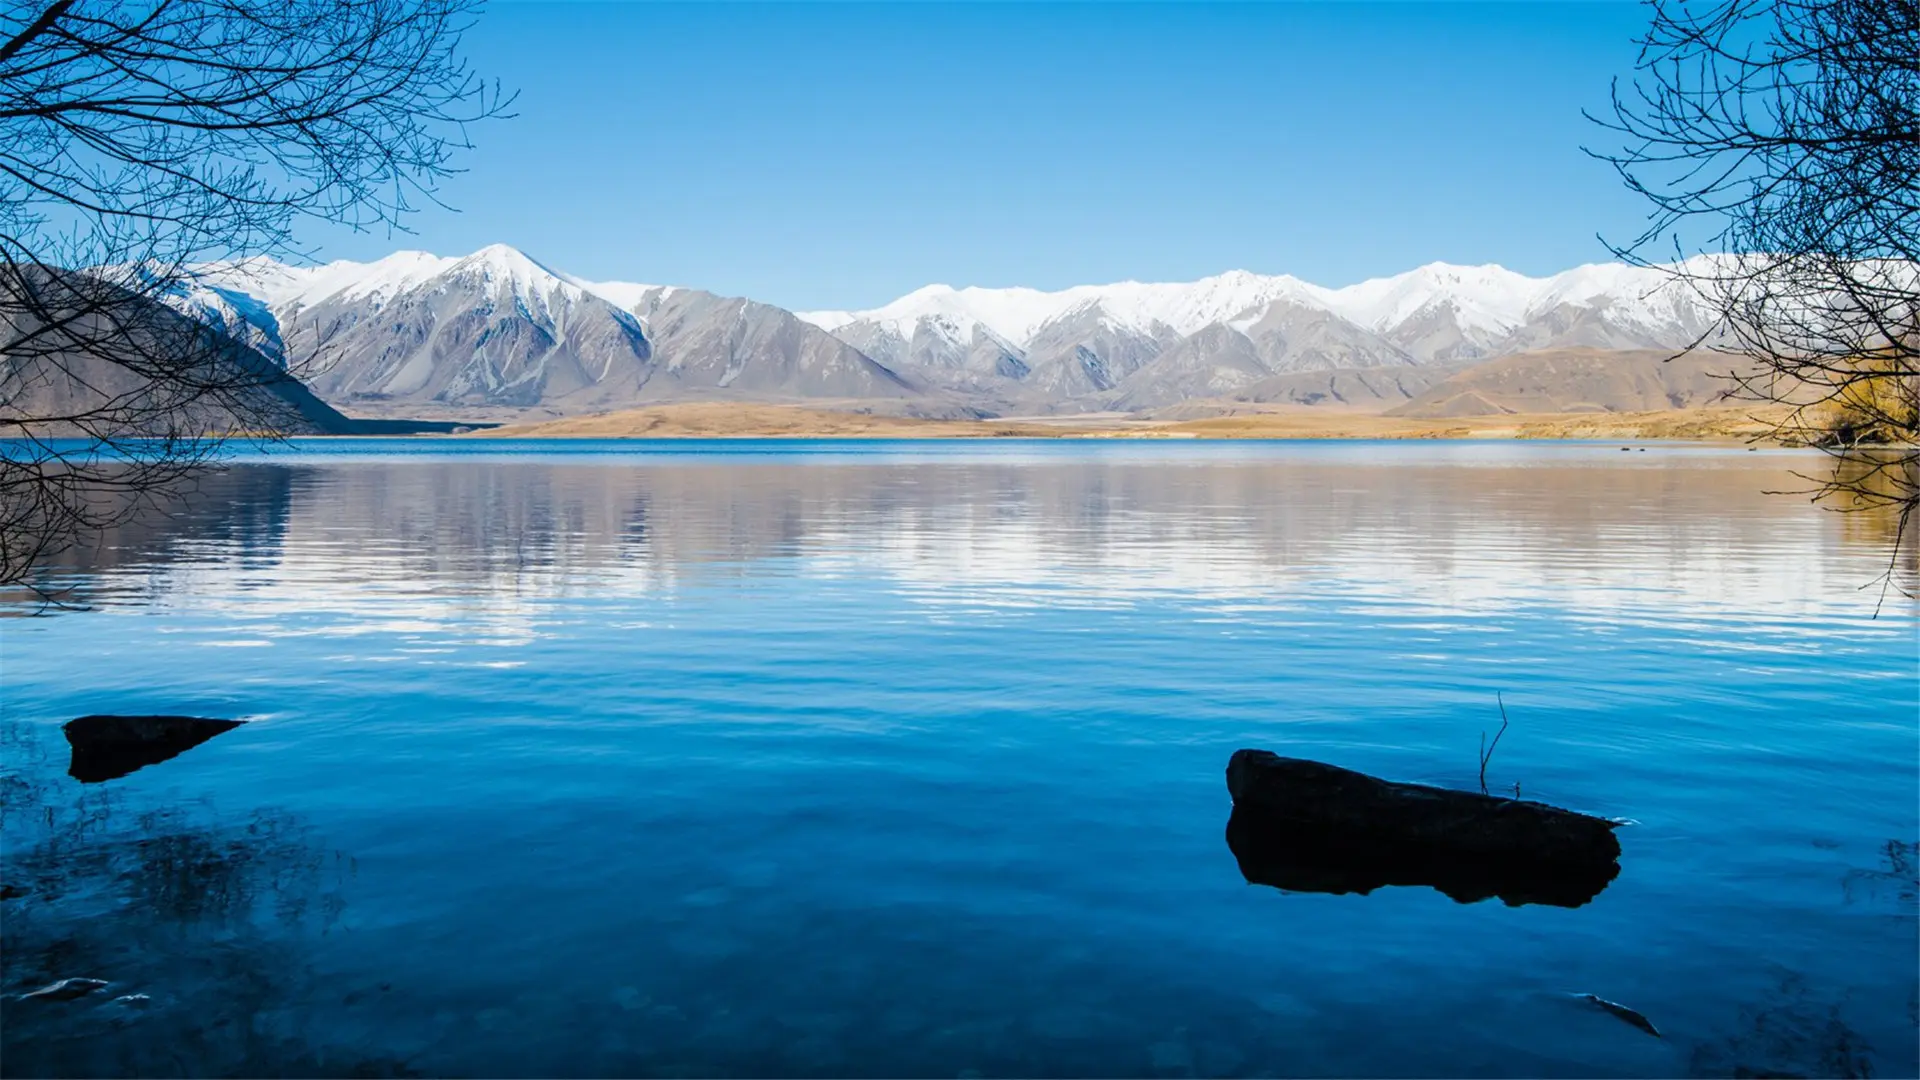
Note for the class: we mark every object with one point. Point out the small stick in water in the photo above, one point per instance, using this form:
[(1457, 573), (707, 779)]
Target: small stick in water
[(1624, 1013), (65, 990), (1486, 752)]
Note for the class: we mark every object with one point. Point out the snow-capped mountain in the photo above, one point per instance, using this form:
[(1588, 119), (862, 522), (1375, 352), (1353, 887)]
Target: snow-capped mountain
[(1019, 316), (498, 328), (241, 316), (1437, 312), (492, 328), (501, 329)]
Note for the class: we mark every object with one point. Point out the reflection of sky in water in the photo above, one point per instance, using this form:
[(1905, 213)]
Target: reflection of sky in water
[(905, 758)]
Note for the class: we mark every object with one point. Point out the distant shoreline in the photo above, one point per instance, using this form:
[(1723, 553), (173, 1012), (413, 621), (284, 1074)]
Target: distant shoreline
[(724, 420)]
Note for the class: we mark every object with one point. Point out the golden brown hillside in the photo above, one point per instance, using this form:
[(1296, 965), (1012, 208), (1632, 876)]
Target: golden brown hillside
[(733, 420)]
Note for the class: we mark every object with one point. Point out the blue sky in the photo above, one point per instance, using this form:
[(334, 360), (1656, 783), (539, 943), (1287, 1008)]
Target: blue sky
[(838, 156)]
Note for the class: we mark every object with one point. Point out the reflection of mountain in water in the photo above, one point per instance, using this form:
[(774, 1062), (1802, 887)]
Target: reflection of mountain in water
[(237, 516), (1472, 528)]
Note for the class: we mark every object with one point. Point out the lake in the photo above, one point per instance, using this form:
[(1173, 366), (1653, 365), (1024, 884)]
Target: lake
[(760, 758)]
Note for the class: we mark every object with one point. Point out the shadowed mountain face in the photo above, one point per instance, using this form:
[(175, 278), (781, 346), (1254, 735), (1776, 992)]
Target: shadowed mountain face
[(705, 344), (1301, 337), (67, 362), (1217, 361), (1085, 354)]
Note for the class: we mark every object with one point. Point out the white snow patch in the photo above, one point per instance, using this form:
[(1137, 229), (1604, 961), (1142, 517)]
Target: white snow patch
[(1485, 301)]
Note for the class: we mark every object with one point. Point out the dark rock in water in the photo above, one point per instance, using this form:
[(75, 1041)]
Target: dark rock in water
[(65, 990), (9, 892), (1296, 791), (1306, 826), (1314, 859), (109, 747)]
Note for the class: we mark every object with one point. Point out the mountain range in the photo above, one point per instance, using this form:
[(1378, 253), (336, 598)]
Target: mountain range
[(498, 332)]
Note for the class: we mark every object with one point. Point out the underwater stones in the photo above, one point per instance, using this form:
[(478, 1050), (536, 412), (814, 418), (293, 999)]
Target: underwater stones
[(109, 747), (1305, 826)]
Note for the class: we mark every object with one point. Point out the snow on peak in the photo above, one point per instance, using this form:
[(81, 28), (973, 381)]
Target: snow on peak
[(504, 274), (1490, 299), (1016, 314), (509, 275), (239, 314), (283, 287), (625, 295), (499, 262), (1485, 301)]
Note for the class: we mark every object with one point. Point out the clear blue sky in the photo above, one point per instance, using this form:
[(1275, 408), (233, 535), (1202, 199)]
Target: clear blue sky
[(838, 156)]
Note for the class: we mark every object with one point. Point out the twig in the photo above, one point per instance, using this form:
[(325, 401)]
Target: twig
[(1486, 751)]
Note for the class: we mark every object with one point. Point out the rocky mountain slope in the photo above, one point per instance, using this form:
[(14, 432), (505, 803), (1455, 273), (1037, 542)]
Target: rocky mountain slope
[(1575, 380), (493, 328), (500, 331), (1134, 345), (56, 367), (741, 348)]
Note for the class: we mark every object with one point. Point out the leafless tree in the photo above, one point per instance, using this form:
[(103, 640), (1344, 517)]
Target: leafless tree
[(140, 141), (1777, 143)]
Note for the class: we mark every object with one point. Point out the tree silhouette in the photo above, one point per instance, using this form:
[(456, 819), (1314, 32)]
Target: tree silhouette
[(1779, 140), (142, 141)]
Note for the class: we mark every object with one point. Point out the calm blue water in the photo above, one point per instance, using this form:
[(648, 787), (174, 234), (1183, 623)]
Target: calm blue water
[(905, 759)]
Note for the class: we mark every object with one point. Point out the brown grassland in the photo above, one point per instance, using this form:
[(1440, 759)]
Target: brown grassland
[(738, 420)]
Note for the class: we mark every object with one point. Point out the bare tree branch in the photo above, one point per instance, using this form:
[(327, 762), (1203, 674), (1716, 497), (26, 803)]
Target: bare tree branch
[(139, 141), (1779, 142)]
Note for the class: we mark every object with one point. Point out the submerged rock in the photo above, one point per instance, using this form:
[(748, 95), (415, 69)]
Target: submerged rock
[(109, 747), (1305, 826), (1631, 1016), (64, 990)]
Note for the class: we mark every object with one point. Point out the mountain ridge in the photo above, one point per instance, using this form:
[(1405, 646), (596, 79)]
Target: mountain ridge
[(500, 328), (1491, 301)]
